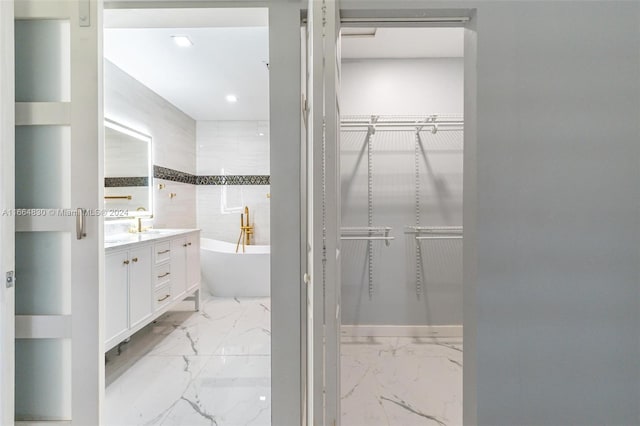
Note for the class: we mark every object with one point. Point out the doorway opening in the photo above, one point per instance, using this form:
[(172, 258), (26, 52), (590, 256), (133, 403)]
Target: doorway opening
[(401, 180), (192, 343)]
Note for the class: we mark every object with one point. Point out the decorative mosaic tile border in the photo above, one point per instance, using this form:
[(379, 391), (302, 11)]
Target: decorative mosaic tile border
[(119, 182), (177, 176), (234, 180), (173, 175)]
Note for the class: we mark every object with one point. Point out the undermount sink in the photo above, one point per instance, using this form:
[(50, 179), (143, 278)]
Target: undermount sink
[(157, 231), (138, 236), (120, 239), (116, 241)]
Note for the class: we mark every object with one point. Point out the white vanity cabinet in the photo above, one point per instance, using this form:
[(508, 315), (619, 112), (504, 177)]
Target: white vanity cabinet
[(185, 264), (193, 262), (140, 287), (163, 273), (179, 267), (127, 290), (145, 279), (116, 291)]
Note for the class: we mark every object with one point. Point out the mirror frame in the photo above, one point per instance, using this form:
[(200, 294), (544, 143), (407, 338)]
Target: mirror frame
[(119, 127)]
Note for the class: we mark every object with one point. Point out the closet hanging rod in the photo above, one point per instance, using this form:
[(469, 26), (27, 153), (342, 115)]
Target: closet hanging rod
[(368, 238), (441, 237), (349, 123), (440, 230), (360, 129), (364, 229), (346, 20), (367, 233), (435, 228)]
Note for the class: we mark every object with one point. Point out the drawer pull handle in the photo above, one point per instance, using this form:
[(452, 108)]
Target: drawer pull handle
[(164, 298), (164, 275), (184, 245), (135, 259), (126, 262), (164, 251), (188, 244)]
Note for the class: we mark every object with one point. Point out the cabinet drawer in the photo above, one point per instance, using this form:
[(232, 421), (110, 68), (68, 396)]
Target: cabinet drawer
[(162, 273), (162, 296), (163, 251)]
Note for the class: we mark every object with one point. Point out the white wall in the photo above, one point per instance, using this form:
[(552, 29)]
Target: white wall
[(173, 132), (557, 213), (235, 148), (402, 87), (552, 223)]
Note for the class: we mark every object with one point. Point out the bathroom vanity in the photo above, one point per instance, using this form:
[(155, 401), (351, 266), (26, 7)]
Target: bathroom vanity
[(146, 274)]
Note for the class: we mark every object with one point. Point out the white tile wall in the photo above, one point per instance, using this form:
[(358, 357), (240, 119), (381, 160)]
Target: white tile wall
[(177, 212), (237, 148), (139, 197), (225, 225), (129, 102)]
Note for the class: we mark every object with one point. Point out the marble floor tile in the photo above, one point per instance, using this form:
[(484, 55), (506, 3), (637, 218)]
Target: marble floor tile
[(210, 367), (401, 381), (150, 389), (230, 390)]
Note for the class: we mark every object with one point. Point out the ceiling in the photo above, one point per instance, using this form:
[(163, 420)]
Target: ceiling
[(403, 43), (230, 54), (186, 18), (197, 79)]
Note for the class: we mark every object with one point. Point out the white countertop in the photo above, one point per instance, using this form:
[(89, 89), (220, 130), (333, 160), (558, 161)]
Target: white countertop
[(120, 241)]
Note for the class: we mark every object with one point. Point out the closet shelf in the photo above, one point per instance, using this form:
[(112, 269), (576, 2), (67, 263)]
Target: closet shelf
[(432, 123)]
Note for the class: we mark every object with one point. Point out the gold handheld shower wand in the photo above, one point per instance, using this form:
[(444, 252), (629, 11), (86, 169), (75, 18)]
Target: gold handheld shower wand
[(246, 230)]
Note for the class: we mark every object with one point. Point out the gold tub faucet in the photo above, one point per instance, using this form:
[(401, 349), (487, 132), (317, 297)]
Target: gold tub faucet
[(246, 230)]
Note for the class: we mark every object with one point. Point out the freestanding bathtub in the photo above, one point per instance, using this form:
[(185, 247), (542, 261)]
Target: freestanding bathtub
[(229, 274)]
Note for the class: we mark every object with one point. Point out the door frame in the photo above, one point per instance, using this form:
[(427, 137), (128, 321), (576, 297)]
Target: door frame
[(322, 210), (7, 203), (288, 245), (407, 15)]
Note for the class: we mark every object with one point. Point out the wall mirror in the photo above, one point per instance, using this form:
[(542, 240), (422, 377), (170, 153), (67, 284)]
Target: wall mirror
[(127, 171)]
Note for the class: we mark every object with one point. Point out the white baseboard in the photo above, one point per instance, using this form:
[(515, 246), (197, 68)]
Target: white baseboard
[(401, 331)]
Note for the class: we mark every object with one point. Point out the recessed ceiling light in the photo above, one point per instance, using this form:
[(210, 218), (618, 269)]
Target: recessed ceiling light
[(231, 98), (260, 134), (182, 40)]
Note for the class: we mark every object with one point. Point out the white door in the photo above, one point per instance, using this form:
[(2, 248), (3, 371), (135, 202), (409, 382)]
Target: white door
[(58, 242), (7, 258), (323, 213)]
